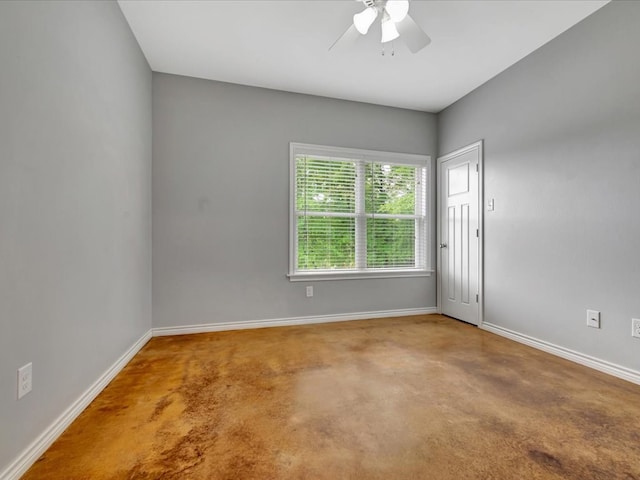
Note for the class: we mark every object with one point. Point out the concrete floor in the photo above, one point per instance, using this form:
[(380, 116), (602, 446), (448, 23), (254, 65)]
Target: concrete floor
[(422, 397)]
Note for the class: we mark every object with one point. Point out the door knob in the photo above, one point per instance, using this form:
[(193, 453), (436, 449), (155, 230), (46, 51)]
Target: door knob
[(443, 245)]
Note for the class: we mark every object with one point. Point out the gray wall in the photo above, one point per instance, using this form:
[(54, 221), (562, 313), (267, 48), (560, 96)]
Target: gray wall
[(75, 204), (221, 196), (562, 160)]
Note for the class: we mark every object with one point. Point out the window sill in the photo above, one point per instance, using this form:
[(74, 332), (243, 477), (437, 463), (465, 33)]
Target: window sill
[(318, 276)]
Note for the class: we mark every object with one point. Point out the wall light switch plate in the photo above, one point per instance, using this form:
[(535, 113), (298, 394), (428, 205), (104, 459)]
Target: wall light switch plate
[(490, 205), (593, 318), (310, 291)]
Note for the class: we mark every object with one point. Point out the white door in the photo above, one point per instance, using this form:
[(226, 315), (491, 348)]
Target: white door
[(459, 233)]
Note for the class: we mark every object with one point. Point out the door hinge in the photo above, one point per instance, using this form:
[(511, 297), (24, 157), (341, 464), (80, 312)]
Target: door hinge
[(477, 298), (477, 232), (477, 167)]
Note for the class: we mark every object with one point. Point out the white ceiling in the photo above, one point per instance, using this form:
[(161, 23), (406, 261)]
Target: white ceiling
[(283, 44)]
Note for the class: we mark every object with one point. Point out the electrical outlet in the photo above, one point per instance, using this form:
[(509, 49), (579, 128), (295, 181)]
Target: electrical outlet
[(24, 380), (635, 327), (310, 291), (593, 319)]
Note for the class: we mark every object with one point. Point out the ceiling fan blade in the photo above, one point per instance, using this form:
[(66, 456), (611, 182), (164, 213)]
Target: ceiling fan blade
[(412, 34), (350, 34)]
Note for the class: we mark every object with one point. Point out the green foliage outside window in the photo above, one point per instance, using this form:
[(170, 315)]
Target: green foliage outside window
[(390, 189), (327, 242)]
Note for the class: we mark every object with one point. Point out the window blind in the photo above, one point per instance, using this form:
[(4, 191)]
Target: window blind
[(358, 215), (326, 213), (395, 211)]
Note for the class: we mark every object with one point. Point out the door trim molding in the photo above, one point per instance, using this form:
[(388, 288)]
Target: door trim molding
[(479, 146)]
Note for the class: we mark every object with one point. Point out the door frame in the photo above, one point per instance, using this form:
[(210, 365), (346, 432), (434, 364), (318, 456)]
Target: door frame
[(479, 145)]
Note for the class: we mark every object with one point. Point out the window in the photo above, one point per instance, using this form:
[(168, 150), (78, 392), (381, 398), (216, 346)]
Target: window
[(357, 213)]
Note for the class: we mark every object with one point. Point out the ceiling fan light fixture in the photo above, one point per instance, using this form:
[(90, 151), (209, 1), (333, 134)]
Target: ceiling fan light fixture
[(397, 9), (395, 22), (363, 20), (389, 31)]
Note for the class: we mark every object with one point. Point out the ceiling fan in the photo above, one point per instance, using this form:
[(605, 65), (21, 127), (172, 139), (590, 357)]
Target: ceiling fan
[(395, 22)]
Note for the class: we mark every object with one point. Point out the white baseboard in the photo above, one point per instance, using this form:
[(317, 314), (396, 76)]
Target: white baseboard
[(22, 463), (577, 357), (28, 457), (282, 322)]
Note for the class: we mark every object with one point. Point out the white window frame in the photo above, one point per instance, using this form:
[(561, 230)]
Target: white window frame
[(360, 272)]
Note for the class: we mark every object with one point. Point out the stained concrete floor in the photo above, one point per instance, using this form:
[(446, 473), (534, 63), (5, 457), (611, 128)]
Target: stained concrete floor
[(422, 397)]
